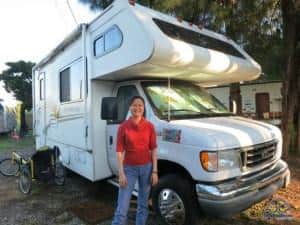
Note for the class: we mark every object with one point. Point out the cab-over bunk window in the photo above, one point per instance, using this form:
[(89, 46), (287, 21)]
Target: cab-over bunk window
[(195, 38), (108, 41), (71, 82)]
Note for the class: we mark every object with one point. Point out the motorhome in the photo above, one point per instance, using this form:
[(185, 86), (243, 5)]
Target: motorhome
[(7, 117), (208, 157)]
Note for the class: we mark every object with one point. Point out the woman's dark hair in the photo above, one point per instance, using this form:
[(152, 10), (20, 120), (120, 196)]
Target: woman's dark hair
[(142, 99), (137, 97)]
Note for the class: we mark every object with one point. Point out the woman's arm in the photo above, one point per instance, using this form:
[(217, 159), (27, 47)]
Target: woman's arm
[(154, 160), (120, 156), (154, 177), (122, 176)]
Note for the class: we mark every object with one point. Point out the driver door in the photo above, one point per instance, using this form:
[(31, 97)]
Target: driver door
[(124, 95)]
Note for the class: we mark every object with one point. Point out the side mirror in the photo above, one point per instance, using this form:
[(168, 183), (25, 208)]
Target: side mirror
[(109, 108)]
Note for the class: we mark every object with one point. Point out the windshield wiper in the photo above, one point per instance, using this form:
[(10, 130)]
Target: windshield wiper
[(180, 110)]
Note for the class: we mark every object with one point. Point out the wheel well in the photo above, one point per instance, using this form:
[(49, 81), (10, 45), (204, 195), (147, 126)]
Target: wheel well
[(168, 167)]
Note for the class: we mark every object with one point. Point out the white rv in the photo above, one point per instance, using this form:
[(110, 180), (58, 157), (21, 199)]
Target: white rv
[(7, 117), (208, 157)]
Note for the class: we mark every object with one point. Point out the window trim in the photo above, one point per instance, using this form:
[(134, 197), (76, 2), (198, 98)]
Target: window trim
[(94, 46), (77, 60), (42, 88), (60, 73), (103, 35)]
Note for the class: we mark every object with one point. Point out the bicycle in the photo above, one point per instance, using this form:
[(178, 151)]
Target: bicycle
[(43, 165), (9, 166)]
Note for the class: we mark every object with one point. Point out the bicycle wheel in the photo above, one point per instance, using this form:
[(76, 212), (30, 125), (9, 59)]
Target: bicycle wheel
[(9, 167), (60, 175), (25, 181)]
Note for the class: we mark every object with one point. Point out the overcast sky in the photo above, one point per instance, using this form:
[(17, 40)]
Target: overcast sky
[(30, 29)]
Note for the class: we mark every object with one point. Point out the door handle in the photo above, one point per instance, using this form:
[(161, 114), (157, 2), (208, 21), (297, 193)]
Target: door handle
[(110, 140)]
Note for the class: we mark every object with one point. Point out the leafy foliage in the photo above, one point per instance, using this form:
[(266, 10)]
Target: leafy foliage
[(17, 78), (97, 4)]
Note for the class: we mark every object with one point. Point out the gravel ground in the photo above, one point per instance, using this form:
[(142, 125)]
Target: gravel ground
[(80, 201)]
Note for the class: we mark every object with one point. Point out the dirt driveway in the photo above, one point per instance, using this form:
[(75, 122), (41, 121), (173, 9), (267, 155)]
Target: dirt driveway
[(80, 201)]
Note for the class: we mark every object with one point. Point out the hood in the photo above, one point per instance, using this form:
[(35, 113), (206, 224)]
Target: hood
[(224, 132)]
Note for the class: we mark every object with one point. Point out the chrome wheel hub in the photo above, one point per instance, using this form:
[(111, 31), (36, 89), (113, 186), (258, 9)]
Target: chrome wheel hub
[(171, 207)]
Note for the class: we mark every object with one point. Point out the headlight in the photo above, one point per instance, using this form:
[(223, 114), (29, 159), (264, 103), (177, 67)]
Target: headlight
[(229, 160), (209, 161), (220, 161)]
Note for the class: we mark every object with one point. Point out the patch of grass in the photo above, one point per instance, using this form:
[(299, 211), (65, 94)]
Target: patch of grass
[(9, 144)]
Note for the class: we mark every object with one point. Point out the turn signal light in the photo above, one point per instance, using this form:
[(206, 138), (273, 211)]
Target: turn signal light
[(209, 161)]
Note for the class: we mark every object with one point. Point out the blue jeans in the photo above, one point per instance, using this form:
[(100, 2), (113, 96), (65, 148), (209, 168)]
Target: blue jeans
[(142, 174)]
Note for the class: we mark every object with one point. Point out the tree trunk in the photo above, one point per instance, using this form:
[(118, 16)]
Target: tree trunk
[(196, 13), (236, 98), (23, 129), (298, 131), (289, 85), (298, 99), (298, 77)]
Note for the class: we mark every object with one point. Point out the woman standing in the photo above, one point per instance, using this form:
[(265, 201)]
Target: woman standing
[(137, 160)]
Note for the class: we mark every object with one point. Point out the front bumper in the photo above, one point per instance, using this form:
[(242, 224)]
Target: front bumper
[(229, 197)]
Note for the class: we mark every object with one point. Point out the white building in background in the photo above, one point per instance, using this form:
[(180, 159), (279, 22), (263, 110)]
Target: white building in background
[(260, 100)]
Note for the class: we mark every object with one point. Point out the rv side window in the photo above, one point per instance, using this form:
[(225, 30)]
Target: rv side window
[(71, 81), (99, 46), (196, 38), (125, 93), (107, 42), (76, 80), (65, 85), (1, 109), (113, 39)]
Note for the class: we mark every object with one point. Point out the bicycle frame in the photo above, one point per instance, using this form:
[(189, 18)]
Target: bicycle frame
[(19, 159)]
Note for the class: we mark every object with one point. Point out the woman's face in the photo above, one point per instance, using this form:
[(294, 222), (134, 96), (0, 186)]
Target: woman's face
[(137, 108)]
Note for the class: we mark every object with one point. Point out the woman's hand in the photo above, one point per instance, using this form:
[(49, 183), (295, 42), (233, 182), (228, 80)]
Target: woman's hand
[(122, 179), (154, 179)]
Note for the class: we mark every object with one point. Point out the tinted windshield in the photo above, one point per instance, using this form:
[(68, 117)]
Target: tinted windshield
[(186, 100)]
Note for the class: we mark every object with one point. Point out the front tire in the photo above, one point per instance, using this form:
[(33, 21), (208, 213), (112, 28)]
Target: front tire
[(9, 167), (25, 181), (60, 174), (174, 201)]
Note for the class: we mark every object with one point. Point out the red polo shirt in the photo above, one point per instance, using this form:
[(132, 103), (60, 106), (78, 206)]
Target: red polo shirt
[(137, 140)]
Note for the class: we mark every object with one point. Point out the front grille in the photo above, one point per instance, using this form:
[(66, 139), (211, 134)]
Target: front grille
[(258, 154)]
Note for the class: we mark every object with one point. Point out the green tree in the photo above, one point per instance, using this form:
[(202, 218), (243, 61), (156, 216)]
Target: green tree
[(17, 78), (291, 88), (97, 4)]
